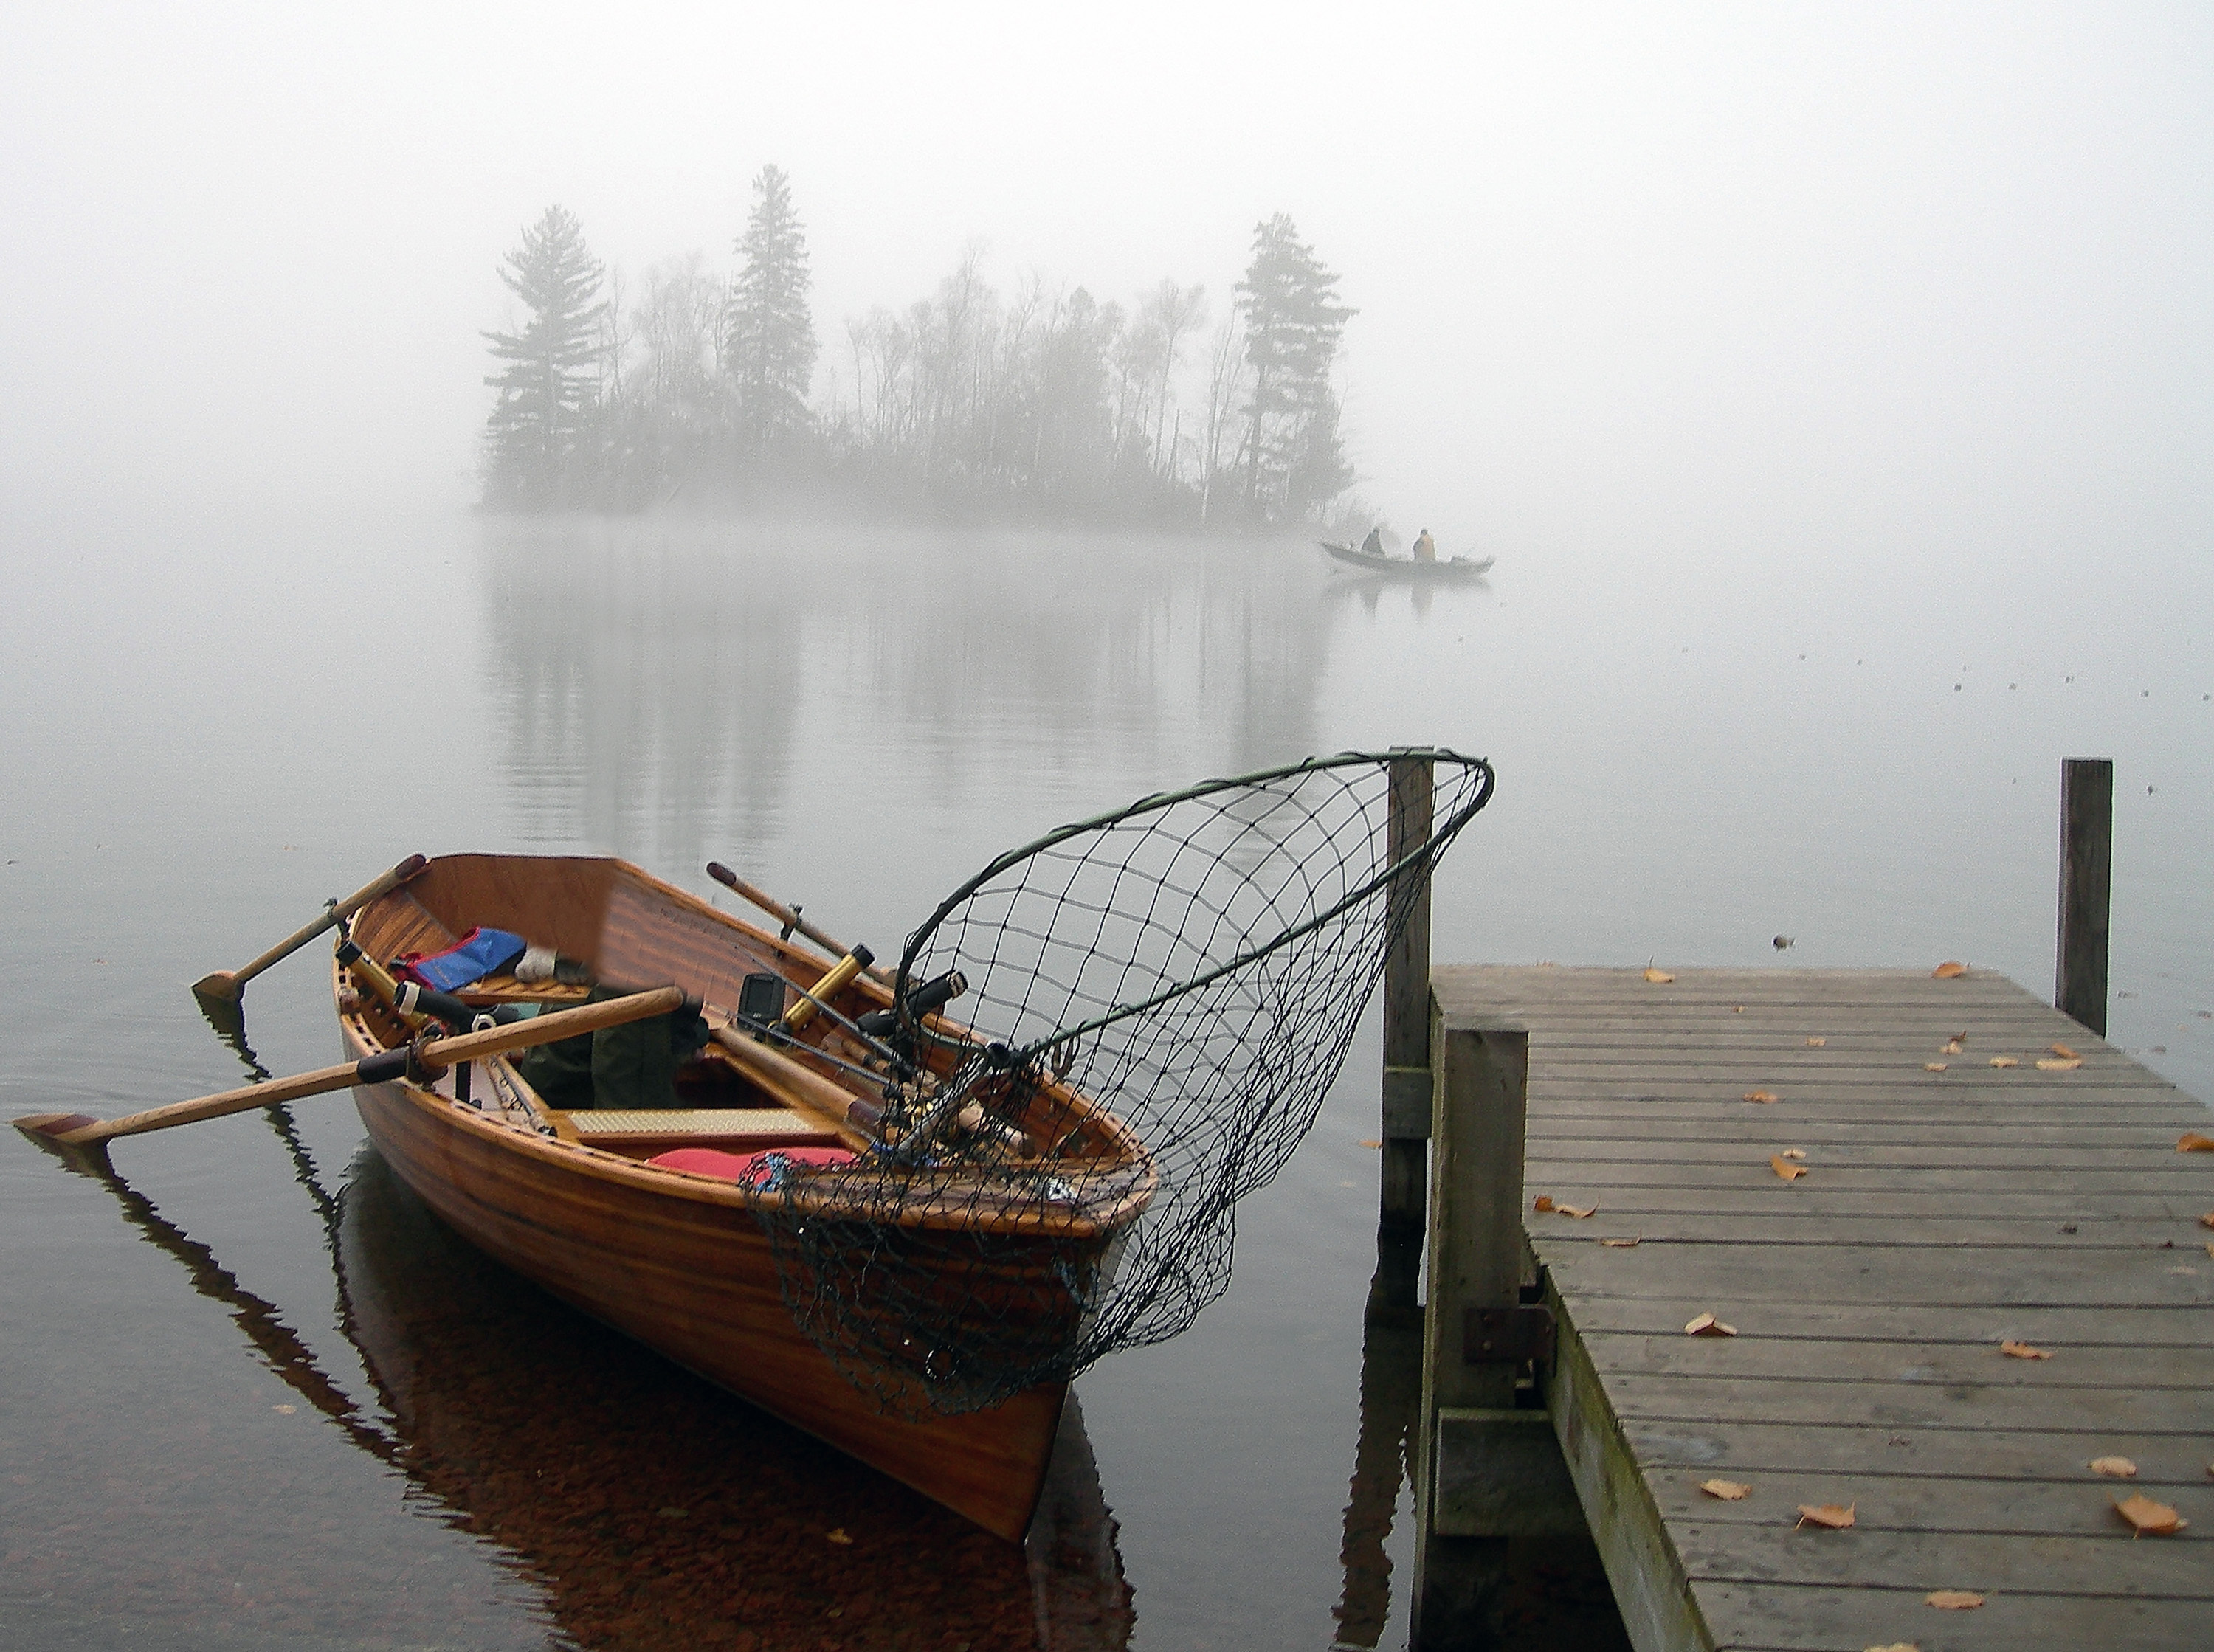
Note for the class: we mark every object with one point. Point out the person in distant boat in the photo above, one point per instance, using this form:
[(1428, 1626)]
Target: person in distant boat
[(1426, 548), (1373, 544)]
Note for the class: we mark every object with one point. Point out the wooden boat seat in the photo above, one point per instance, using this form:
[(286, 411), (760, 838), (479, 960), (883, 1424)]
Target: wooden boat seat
[(640, 1134)]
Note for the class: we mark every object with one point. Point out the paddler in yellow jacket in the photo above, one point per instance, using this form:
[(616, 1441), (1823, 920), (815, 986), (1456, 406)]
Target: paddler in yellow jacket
[(1426, 548)]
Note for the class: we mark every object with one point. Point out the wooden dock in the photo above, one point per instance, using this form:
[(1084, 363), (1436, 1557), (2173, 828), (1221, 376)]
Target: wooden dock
[(1955, 1196)]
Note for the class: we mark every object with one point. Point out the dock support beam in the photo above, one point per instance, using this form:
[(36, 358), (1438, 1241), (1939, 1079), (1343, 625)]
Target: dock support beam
[(1406, 1099), (1475, 1251), (2087, 862)]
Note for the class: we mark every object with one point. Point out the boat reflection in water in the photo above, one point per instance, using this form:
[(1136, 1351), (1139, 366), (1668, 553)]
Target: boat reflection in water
[(652, 1508)]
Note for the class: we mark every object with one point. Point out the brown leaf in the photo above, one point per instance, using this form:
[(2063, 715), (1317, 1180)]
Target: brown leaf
[(2055, 1065), (2120, 1468), (1370, 1141), (2148, 1516), (2193, 1142), (2207, 1221), (1579, 1211), (1795, 1152), (1950, 968), (1827, 1514), (837, 1535), (1762, 1095), (1659, 977), (2005, 1061), (1728, 1491), (1952, 1047), (1816, 1043), (1896, 1646), (2064, 1053), (1707, 1326), (1935, 1066), (1954, 1599), (1621, 1244), (2022, 1350), (1543, 1202), (1783, 1168), (1737, 1009)]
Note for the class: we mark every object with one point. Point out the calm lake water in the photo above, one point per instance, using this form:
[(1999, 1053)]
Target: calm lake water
[(251, 1395)]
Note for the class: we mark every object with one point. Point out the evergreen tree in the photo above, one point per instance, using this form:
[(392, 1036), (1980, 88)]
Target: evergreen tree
[(768, 337), (537, 428), (1294, 459)]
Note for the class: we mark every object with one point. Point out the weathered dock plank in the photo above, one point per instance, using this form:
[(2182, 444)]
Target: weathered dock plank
[(1941, 1213)]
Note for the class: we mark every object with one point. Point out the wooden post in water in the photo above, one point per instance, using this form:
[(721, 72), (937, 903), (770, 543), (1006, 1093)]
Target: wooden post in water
[(1476, 1248), (1406, 1105), (2087, 863)]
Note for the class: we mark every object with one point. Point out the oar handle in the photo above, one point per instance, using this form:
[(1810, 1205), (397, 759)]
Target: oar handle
[(788, 916), (379, 1069), (353, 903)]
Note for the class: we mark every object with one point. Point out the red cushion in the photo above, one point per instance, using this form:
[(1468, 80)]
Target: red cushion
[(746, 1168)]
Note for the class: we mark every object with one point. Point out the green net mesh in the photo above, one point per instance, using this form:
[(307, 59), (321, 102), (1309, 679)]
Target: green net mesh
[(1159, 999)]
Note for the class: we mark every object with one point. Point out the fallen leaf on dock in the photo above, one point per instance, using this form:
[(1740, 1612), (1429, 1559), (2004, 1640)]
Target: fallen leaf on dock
[(1795, 1152), (2005, 1061), (1896, 1646), (1737, 1009), (1950, 968), (2055, 1065), (1707, 1326), (1935, 1066), (1954, 1599), (2207, 1221), (1659, 977), (1621, 1244), (2064, 1053), (2148, 1516), (1816, 1043), (1728, 1491), (837, 1535), (2192, 1141), (2023, 1351), (1543, 1202), (2120, 1468), (1783, 1168), (1952, 1047), (1762, 1095), (1579, 1211), (1826, 1514), (1370, 1141)]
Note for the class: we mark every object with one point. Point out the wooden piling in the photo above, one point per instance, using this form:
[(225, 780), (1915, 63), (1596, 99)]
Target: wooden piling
[(1406, 1098), (2087, 857), (1476, 1251)]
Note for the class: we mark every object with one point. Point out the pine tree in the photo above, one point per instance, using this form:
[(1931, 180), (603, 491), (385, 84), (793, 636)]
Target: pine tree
[(768, 337), (550, 383), (1294, 459)]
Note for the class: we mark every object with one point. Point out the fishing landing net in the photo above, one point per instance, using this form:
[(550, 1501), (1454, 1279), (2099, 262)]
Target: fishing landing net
[(1159, 999)]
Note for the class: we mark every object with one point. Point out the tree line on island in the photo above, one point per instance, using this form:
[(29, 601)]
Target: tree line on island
[(1042, 403)]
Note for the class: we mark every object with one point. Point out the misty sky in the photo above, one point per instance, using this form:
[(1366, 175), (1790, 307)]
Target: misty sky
[(1887, 282)]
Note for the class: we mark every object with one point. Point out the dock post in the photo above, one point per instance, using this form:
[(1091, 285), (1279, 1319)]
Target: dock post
[(1475, 1251), (2087, 861), (1406, 1101)]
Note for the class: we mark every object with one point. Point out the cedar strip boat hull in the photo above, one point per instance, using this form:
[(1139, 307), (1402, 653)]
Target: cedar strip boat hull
[(678, 1262)]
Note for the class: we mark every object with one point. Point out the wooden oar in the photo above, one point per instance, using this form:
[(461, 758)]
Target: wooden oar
[(76, 1129), (231, 984), (789, 916)]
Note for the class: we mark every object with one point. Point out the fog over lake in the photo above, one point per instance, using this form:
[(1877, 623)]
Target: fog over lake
[(1832, 384)]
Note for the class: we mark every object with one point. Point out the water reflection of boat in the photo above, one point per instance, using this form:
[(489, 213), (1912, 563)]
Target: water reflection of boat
[(653, 1510), (1406, 567), (578, 1203)]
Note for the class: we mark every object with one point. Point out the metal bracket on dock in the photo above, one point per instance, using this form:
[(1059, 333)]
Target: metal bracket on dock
[(1406, 1104), (1507, 1336)]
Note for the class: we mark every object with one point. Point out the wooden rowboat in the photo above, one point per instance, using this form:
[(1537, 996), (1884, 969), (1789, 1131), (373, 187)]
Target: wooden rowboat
[(1454, 568), (678, 1259)]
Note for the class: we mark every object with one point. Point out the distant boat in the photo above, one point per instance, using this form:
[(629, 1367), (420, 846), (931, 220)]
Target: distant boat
[(1458, 567)]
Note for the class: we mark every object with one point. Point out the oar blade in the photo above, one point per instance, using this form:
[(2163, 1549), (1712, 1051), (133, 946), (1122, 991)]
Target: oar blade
[(222, 987)]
